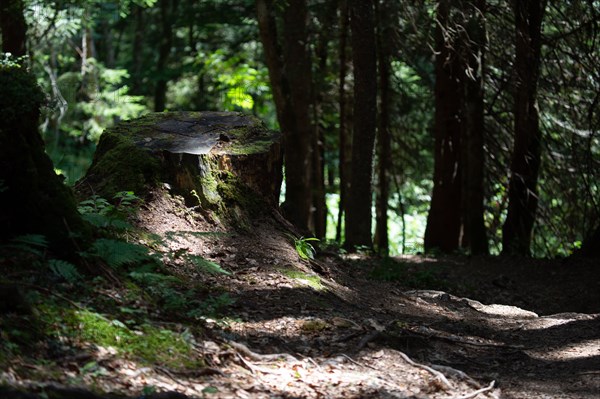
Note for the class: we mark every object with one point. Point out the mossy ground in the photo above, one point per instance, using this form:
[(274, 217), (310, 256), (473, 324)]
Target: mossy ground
[(311, 280)]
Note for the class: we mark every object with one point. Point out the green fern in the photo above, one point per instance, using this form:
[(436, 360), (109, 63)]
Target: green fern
[(64, 269), (118, 253), (35, 244), (206, 265)]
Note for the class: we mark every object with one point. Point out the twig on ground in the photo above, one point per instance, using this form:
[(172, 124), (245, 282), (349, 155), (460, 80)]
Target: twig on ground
[(475, 393), (441, 377), (241, 348), (357, 363), (457, 373)]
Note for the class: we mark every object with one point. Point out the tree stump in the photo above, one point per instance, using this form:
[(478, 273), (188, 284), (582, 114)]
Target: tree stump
[(221, 161)]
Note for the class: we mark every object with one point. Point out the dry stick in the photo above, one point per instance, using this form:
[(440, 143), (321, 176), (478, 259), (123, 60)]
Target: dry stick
[(475, 393), (259, 357), (436, 373), (357, 363), (459, 374)]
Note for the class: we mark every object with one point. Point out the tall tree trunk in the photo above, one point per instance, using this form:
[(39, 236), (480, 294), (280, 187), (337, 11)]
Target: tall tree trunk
[(14, 29), (33, 198), (473, 52), (525, 164), (345, 147), (358, 210), (385, 140), (444, 218), (291, 79), (167, 9), (138, 50), (319, 205)]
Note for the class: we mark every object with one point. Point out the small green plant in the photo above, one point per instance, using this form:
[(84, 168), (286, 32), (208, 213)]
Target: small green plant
[(65, 270), (36, 245), (211, 307), (101, 213), (117, 253), (3, 186), (303, 247)]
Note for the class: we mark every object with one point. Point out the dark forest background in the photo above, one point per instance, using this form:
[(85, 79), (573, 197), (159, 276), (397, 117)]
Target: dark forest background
[(410, 126)]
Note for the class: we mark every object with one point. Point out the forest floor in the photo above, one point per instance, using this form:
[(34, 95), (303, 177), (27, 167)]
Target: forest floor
[(341, 326)]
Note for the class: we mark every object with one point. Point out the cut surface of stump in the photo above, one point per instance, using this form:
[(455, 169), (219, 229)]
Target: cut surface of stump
[(220, 161)]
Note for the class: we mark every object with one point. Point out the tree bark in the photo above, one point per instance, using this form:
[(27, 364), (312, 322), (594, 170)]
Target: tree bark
[(167, 9), (33, 198), (345, 146), (384, 136), (358, 210), (138, 50), (13, 26), (444, 219), (525, 164), (473, 49), (319, 205), (291, 79)]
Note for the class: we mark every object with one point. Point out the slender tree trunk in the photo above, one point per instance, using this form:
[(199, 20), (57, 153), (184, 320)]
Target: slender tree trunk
[(591, 245), (384, 141), (345, 147), (319, 205), (167, 9), (291, 79), (138, 50), (473, 48), (14, 29), (444, 219), (525, 164), (358, 210)]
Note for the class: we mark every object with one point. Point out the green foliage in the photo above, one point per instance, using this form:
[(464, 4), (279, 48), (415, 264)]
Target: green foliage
[(206, 266), (102, 214), (20, 94), (64, 269), (35, 244), (117, 253), (211, 307), (303, 247)]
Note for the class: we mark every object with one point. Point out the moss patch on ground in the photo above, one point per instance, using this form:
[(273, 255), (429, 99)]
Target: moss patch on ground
[(145, 343), (304, 279)]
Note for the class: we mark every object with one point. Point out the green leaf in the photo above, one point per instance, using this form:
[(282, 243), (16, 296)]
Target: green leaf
[(65, 270), (206, 265), (118, 253)]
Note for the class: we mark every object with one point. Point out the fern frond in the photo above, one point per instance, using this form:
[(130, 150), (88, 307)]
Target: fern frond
[(30, 243), (34, 240), (206, 265), (118, 253), (64, 269)]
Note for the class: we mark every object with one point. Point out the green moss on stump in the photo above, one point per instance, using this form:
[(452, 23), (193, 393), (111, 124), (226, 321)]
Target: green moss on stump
[(225, 158)]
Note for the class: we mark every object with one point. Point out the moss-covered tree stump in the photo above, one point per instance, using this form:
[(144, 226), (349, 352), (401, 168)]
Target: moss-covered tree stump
[(224, 162)]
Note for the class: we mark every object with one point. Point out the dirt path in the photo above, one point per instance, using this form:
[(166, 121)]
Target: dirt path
[(402, 329), (353, 326)]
